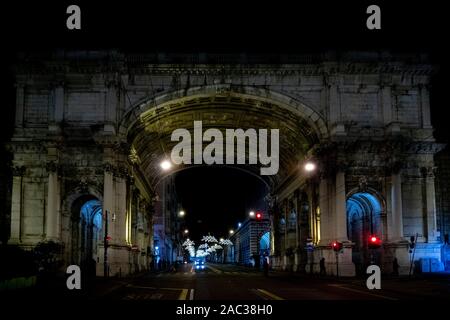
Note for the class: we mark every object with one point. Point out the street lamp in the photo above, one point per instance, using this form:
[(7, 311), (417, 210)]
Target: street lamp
[(186, 231), (181, 213), (251, 214), (166, 165), (239, 225), (309, 166), (231, 231)]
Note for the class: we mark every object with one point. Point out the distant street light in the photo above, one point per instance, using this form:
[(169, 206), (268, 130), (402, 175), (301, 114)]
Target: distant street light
[(231, 231), (182, 213), (186, 231), (251, 214), (239, 225), (221, 239), (166, 165), (309, 167)]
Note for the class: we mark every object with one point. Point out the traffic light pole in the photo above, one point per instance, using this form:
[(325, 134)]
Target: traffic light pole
[(337, 264)]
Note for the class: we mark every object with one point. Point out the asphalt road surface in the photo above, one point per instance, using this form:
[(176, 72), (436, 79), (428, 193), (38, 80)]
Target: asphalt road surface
[(229, 282)]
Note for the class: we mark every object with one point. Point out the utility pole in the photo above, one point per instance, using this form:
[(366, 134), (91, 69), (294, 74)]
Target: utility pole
[(105, 245)]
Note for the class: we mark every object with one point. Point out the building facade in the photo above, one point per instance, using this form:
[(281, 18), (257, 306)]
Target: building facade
[(250, 243), (92, 127)]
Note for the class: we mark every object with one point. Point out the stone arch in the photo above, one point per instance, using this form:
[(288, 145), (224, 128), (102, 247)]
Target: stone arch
[(148, 121), (282, 99), (365, 217), (83, 237)]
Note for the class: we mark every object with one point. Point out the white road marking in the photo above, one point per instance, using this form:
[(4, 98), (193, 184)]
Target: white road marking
[(361, 291)]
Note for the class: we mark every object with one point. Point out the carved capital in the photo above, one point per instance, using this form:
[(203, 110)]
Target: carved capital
[(108, 167), (18, 171), (120, 172), (428, 172), (52, 167)]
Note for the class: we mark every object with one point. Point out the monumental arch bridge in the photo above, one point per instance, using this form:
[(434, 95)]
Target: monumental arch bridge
[(92, 127)]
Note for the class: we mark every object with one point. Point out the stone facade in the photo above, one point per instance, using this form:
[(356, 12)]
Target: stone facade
[(97, 124)]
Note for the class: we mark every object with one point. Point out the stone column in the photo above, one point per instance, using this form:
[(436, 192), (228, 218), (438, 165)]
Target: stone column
[(108, 200), (52, 217), (335, 106), (111, 106), (397, 210), (430, 205), (325, 236), (341, 208), (17, 205), (122, 223)]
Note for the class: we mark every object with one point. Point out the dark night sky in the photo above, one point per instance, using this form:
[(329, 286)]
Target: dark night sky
[(234, 26), (216, 198)]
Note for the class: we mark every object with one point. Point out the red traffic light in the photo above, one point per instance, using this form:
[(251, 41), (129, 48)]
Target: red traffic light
[(374, 242), (258, 216), (336, 245)]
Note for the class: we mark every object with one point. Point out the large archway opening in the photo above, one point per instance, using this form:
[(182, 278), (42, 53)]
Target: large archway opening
[(225, 193), (87, 226), (364, 219)]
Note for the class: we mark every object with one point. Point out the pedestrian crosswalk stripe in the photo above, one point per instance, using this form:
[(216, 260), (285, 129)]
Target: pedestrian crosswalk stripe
[(183, 294)]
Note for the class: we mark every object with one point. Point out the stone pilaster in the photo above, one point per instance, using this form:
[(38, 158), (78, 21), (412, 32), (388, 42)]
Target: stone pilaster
[(20, 104), (17, 205), (425, 107), (53, 215), (430, 202), (325, 234), (111, 106), (396, 225), (108, 200), (341, 211), (56, 112)]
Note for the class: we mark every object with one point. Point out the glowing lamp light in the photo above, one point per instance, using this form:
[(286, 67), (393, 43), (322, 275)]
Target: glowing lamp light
[(374, 242), (231, 231), (166, 165), (258, 216), (182, 213), (186, 231), (251, 214), (309, 166), (239, 225)]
